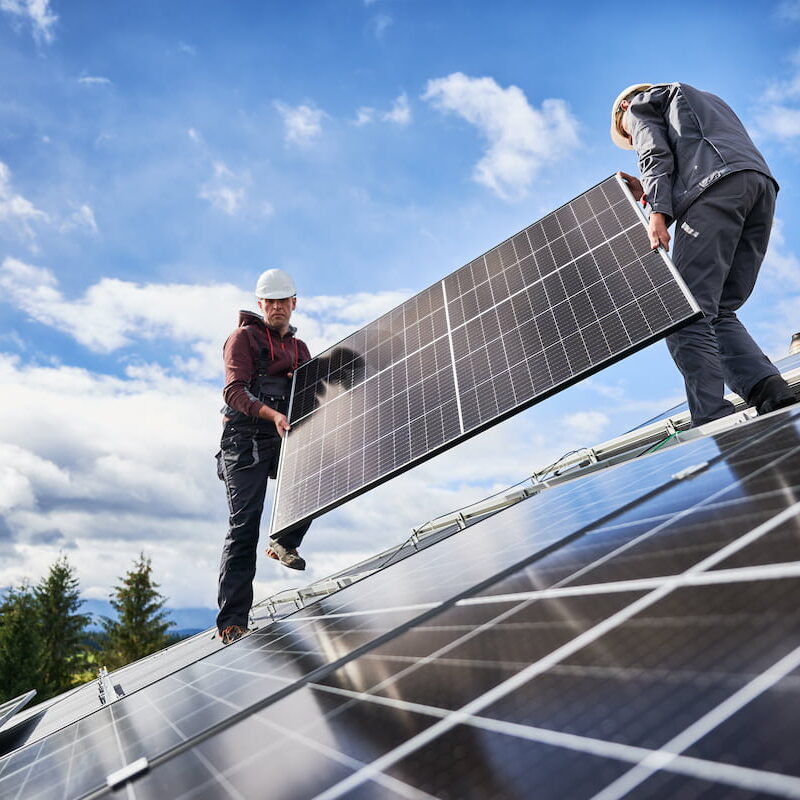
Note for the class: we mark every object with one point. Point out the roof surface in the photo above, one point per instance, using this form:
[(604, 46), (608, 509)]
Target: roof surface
[(632, 631)]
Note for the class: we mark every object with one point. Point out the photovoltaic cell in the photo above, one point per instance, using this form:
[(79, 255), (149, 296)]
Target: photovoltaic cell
[(629, 634), (627, 618), (556, 302)]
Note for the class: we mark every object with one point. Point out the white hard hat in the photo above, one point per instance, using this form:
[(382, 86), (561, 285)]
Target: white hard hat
[(275, 284), (617, 136)]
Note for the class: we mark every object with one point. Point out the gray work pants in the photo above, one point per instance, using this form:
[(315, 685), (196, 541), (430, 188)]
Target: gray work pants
[(245, 462), (720, 243)]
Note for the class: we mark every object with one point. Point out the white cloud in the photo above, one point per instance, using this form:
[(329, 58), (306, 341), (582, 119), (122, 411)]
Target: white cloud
[(82, 218), (380, 24), (784, 122), (37, 13), (14, 208), (120, 464), (94, 80), (398, 114), (608, 391), (14, 340), (226, 190), (364, 115), (356, 309), (114, 466), (775, 334), (778, 108), (521, 139), (114, 314), (303, 124), (781, 267), (587, 425), (780, 277), (22, 215), (789, 10), (401, 111)]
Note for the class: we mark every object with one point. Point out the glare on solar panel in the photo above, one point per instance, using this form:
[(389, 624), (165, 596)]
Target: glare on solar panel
[(627, 634)]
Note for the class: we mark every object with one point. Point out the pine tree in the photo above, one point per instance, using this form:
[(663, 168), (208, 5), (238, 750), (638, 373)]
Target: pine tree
[(62, 628), (20, 646), (141, 625)]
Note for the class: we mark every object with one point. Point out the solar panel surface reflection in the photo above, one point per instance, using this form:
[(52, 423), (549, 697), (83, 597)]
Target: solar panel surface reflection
[(649, 651), (11, 707), (598, 536), (556, 302)]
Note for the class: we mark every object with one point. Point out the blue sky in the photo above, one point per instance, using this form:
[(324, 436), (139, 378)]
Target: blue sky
[(155, 157)]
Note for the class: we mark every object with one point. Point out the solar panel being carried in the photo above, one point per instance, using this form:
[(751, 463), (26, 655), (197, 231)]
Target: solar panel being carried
[(556, 302), (632, 633)]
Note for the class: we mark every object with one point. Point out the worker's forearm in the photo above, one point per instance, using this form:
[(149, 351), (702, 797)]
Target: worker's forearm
[(265, 412), (657, 230)]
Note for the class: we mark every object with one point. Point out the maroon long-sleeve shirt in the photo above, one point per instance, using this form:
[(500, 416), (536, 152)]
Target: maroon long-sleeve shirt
[(240, 356)]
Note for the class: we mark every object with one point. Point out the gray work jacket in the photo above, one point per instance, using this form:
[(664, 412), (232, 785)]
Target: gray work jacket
[(686, 140)]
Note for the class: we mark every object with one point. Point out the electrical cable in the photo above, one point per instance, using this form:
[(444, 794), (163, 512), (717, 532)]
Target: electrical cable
[(658, 445)]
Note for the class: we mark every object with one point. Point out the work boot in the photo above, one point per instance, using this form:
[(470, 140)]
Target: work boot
[(231, 634), (770, 394), (289, 557)]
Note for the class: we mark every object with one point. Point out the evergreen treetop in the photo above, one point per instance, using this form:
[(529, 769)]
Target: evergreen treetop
[(141, 625), (20, 645), (62, 628)]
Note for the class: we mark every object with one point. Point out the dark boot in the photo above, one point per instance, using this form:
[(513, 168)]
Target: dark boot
[(771, 393)]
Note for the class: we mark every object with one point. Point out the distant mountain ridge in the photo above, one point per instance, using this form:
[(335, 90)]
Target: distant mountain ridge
[(185, 620)]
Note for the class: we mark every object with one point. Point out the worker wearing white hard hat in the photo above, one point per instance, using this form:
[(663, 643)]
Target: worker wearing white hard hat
[(618, 133), (274, 284), (700, 169), (260, 358)]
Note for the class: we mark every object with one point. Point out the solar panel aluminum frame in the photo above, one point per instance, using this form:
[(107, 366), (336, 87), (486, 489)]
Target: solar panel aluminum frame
[(693, 313), (11, 707)]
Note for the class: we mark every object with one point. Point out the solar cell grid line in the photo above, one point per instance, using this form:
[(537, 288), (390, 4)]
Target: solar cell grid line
[(163, 690), (731, 775), (554, 303), (695, 448), (731, 447), (218, 776), (652, 763), (692, 452), (584, 639)]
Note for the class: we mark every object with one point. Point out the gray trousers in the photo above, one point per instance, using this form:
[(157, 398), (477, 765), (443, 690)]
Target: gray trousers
[(244, 463), (720, 243)]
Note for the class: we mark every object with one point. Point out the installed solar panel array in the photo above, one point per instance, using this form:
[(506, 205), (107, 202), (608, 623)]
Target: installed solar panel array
[(568, 295), (11, 707), (632, 633)]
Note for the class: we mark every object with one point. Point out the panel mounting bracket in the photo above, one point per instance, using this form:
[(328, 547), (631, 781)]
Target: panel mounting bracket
[(115, 779)]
